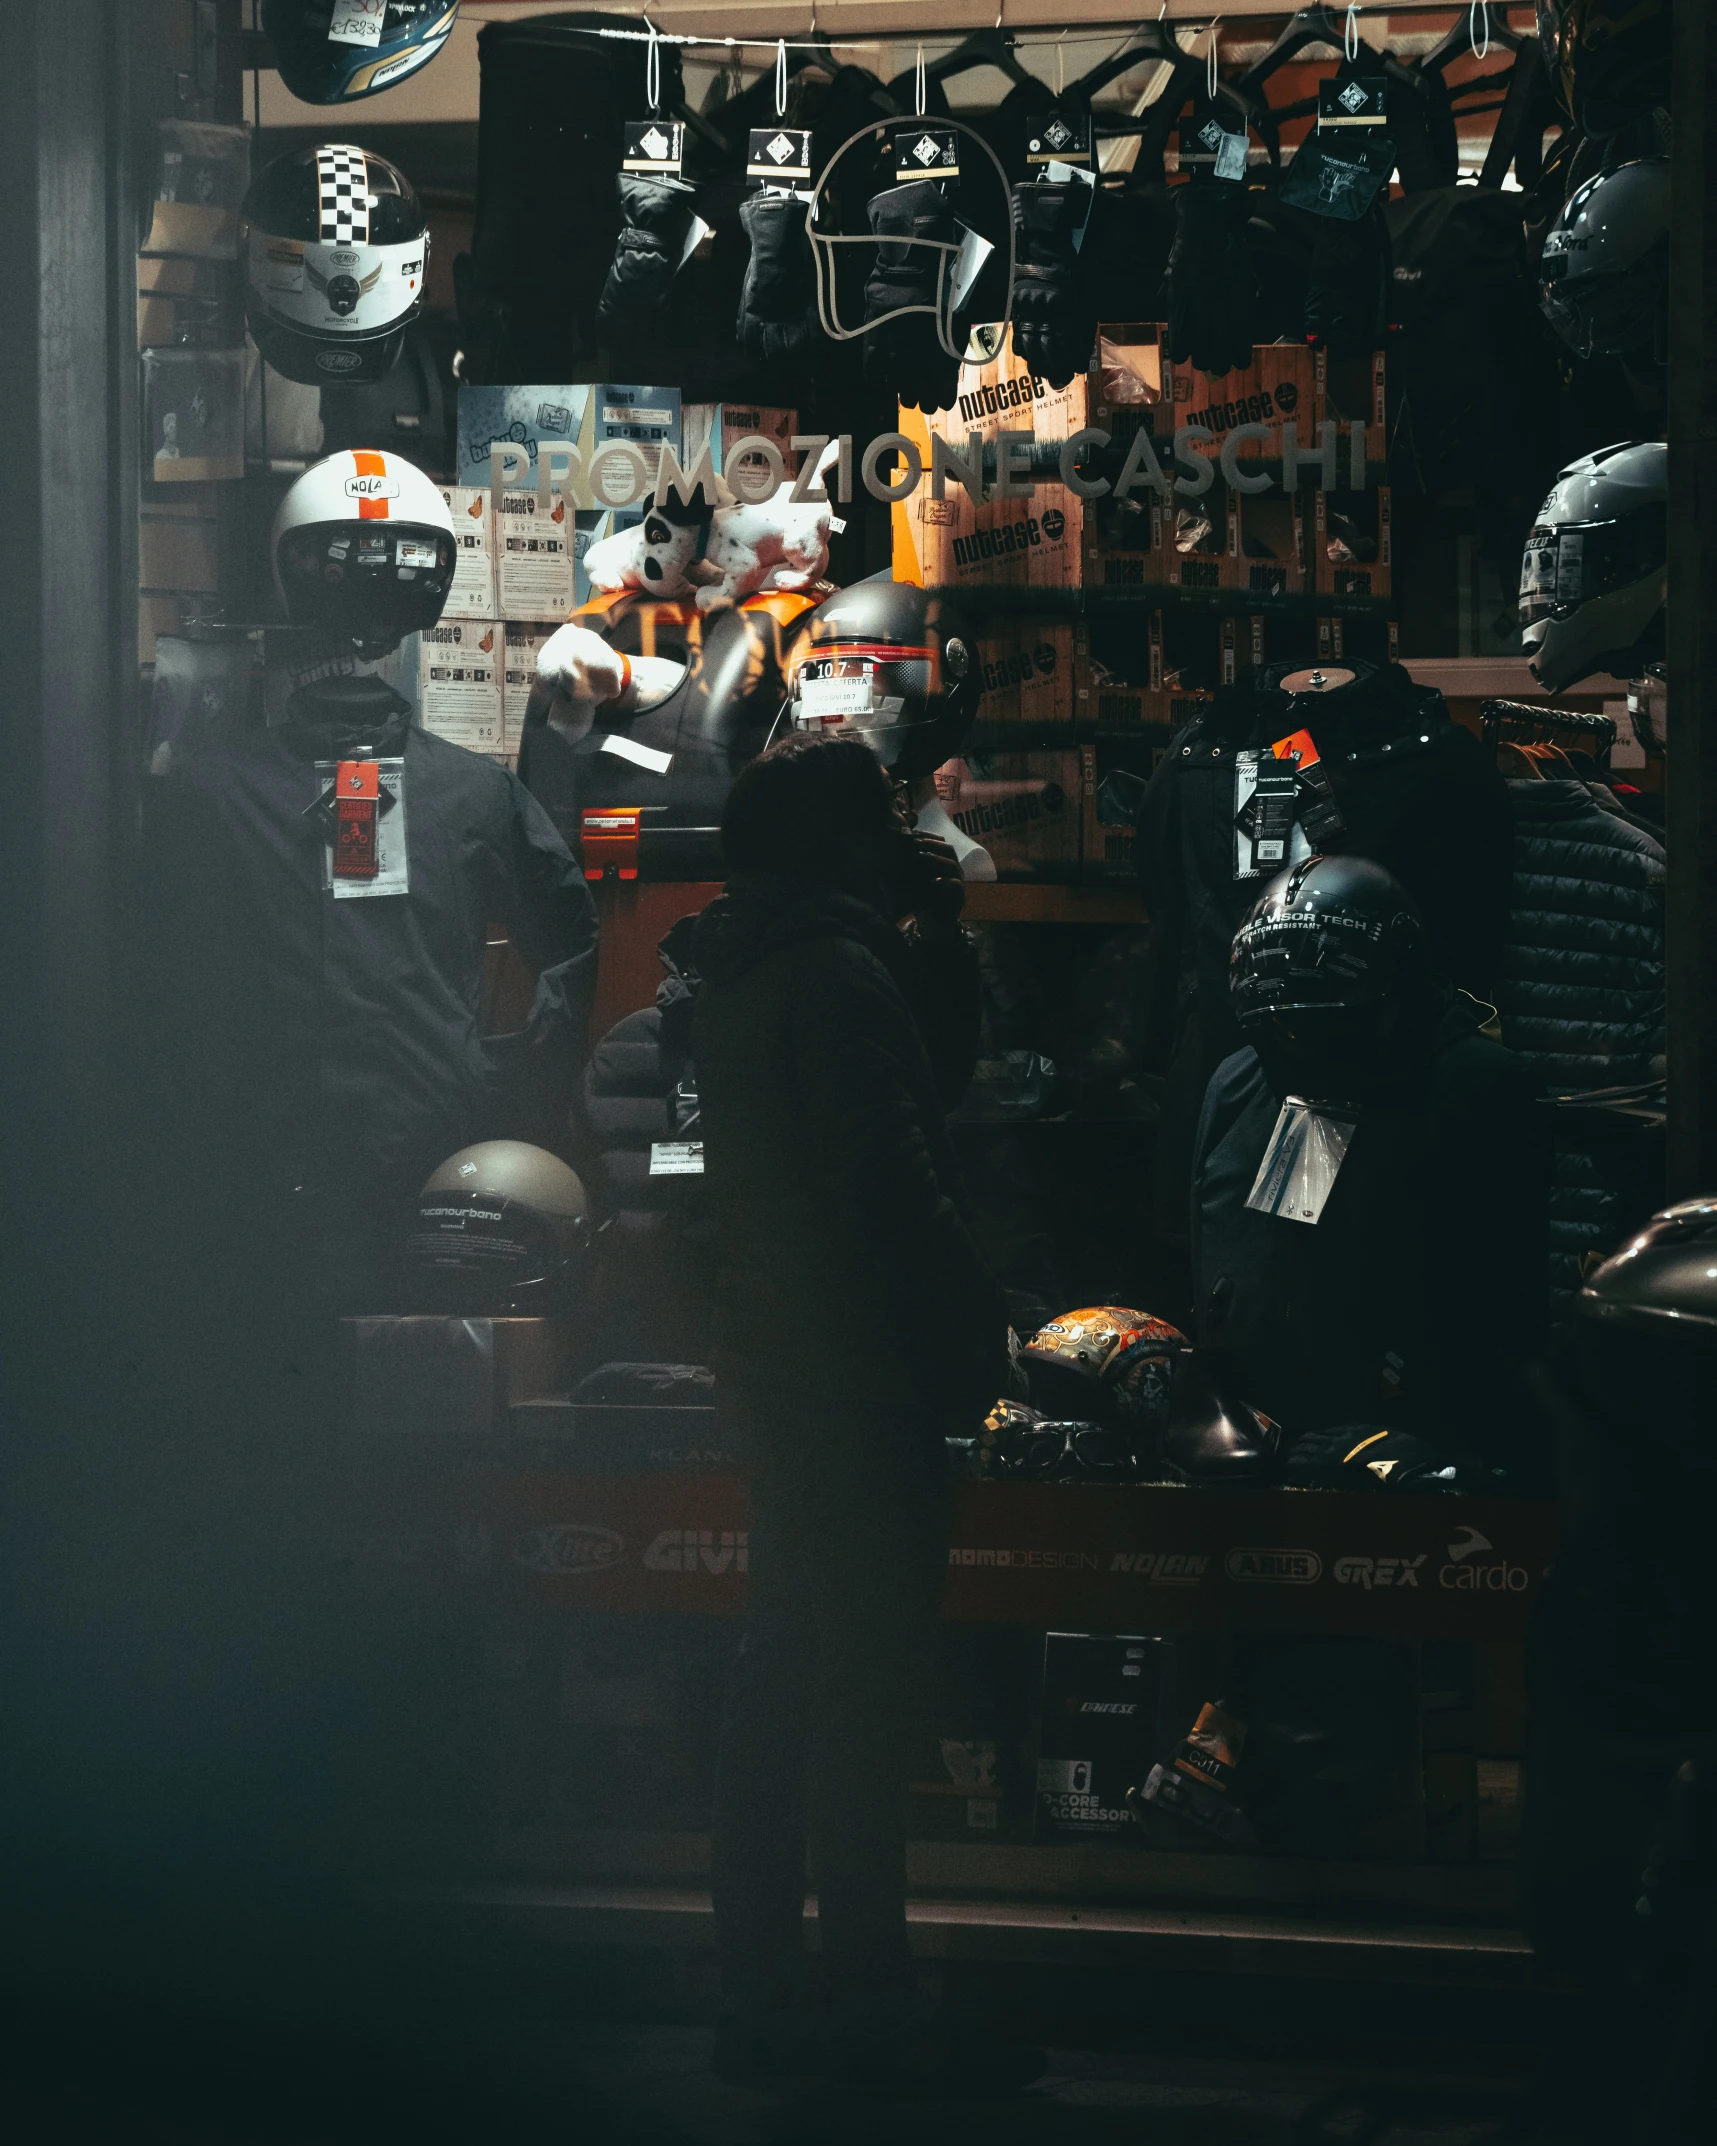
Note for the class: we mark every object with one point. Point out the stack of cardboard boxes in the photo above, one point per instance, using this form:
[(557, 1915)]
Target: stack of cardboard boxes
[(1105, 624)]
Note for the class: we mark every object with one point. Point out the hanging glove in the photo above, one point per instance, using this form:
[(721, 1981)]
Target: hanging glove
[(1056, 223), (1348, 287), (778, 303), (905, 356), (1212, 291), (655, 222)]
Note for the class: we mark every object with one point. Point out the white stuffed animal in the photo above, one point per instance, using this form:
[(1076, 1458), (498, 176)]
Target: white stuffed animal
[(774, 543)]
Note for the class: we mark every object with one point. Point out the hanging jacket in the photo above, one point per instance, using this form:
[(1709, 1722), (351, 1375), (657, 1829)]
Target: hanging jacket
[(827, 1047), (1580, 982), (1418, 1295), (339, 1043), (1416, 794), (1580, 992)]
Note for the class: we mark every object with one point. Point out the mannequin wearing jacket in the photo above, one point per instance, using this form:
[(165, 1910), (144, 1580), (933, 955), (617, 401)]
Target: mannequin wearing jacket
[(317, 1057), (1415, 793)]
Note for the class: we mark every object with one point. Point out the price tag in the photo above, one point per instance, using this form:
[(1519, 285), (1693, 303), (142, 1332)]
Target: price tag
[(831, 687), (357, 22)]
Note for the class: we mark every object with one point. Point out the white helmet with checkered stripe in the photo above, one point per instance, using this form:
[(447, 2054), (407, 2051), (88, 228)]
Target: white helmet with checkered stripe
[(336, 250)]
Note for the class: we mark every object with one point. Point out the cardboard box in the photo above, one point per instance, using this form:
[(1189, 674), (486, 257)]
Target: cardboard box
[(1033, 676), (1022, 806), (1349, 391), (534, 557), (588, 416), (519, 672), (1114, 774), (1097, 1732), (1275, 544), (473, 594), (460, 663), (1353, 543), (956, 541), (1278, 385), (719, 425), (1201, 540), (178, 552)]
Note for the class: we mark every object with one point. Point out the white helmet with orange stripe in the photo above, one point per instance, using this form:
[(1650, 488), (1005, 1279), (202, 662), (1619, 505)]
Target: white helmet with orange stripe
[(364, 549)]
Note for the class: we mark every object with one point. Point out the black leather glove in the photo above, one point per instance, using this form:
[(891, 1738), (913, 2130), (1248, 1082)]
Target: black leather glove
[(1054, 305), (1348, 287), (655, 219), (1212, 290), (906, 356), (778, 303)]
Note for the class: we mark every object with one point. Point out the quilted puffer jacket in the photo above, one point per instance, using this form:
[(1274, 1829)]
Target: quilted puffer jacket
[(1580, 991), (1580, 983)]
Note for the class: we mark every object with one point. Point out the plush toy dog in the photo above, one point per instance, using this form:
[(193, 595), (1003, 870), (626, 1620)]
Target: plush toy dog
[(728, 554)]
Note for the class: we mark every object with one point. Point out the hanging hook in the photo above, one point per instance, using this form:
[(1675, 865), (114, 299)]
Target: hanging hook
[(918, 91), (1350, 31), (780, 78), (652, 66), (1475, 14), (1210, 74)]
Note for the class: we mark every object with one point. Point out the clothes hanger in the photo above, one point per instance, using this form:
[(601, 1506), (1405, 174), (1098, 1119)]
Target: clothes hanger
[(1461, 40)]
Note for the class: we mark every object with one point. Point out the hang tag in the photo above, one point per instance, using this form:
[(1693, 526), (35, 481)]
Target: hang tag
[(676, 1158), (608, 841), (362, 807), (1064, 138), (833, 687), (1361, 101), (357, 788), (357, 22), (644, 756), (968, 264), (1209, 144), (695, 237), (780, 155), (923, 150), (1344, 164), (1267, 835), (1301, 1163), (655, 146), (1319, 814)]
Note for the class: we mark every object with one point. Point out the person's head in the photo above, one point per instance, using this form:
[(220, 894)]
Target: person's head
[(815, 808)]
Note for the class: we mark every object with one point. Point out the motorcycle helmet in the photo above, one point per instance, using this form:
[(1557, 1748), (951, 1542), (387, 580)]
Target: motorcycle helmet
[(1595, 572), (336, 250), (1615, 60), (500, 1227), (889, 663), (1323, 972), (1603, 278), (1213, 1437), (332, 52), (364, 550), (1107, 1363)]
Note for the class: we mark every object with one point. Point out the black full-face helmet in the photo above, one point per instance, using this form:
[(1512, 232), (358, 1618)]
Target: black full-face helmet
[(892, 664)]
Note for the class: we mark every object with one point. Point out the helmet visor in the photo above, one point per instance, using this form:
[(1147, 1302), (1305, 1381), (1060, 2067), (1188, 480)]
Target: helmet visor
[(1567, 565), (355, 577)]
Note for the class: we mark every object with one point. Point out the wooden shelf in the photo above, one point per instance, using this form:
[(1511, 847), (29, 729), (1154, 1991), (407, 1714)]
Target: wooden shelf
[(1003, 902)]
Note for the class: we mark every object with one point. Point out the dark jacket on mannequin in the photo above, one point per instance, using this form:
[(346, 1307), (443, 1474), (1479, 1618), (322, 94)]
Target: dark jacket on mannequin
[(1419, 1294), (1416, 795), (340, 1044)]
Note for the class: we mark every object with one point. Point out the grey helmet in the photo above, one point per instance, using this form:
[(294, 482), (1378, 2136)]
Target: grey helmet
[(500, 1226), (1595, 572), (1604, 273)]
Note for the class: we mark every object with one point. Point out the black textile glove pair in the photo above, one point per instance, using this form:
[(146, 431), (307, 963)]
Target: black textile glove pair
[(1349, 284), (778, 303), (905, 356), (1212, 288), (1055, 280), (655, 222)]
